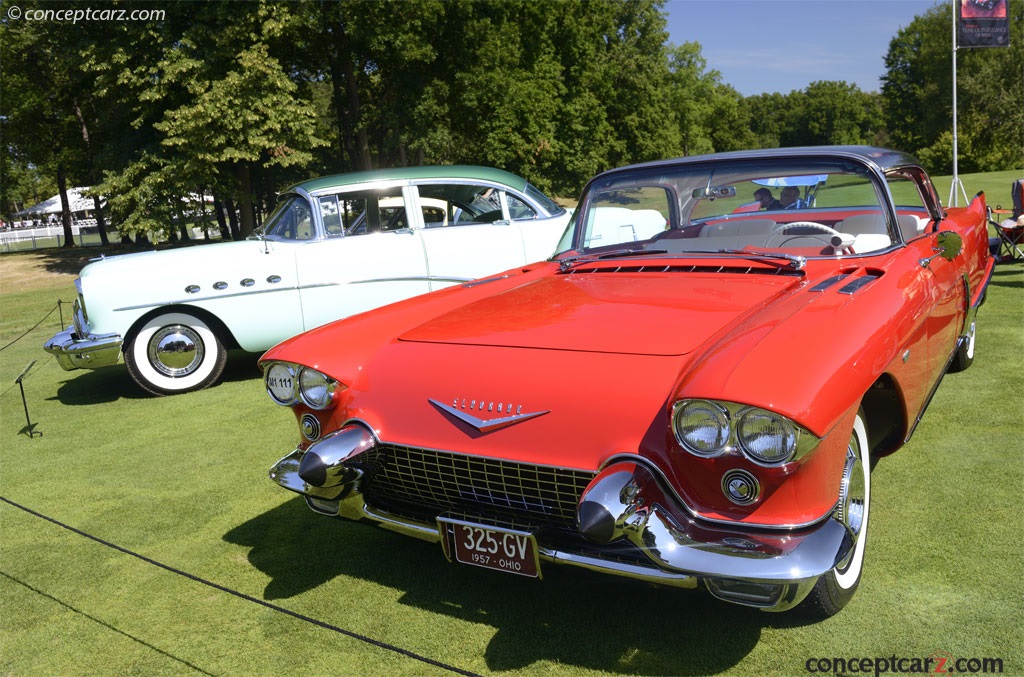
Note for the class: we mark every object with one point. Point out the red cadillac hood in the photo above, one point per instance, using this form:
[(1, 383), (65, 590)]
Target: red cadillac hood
[(607, 312), (592, 357)]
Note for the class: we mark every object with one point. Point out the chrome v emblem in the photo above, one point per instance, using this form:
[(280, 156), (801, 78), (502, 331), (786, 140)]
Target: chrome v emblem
[(486, 425)]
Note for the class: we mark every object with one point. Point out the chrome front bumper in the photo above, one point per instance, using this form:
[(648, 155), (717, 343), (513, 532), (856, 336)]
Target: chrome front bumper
[(771, 570), (75, 348)]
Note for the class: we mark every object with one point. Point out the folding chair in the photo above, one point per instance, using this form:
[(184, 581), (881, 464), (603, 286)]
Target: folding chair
[(1010, 243)]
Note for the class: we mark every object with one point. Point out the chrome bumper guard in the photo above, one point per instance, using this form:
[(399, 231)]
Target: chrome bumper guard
[(76, 349), (773, 571)]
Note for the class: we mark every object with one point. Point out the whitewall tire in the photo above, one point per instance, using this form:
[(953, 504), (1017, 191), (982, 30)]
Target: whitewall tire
[(175, 353), (836, 587)]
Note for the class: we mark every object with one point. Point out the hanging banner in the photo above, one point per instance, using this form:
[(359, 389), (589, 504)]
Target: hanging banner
[(983, 23)]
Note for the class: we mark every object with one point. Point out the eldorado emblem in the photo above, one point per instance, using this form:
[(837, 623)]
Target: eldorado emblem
[(491, 424)]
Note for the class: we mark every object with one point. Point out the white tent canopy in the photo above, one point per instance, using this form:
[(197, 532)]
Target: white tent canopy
[(77, 198)]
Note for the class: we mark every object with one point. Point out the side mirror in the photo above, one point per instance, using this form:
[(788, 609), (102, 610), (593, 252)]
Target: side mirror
[(947, 245)]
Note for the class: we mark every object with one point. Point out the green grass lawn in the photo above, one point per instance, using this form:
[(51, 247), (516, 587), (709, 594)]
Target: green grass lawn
[(182, 481), (995, 185)]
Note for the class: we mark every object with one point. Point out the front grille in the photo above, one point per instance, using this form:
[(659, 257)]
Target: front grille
[(432, 482)]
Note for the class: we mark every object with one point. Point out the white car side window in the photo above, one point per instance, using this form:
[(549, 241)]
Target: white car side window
[(519, 210), (459, 204), (330, 212)]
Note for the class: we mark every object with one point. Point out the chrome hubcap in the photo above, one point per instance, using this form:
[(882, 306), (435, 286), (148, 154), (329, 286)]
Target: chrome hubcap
[(176, 350)]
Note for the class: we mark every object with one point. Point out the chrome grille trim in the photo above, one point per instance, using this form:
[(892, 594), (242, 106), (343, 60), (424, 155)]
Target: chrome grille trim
[(441, 481)]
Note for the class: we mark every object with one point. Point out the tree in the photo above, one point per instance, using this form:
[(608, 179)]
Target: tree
[(729, 123), (40, 80), (774, 118), (918, 95), (834, 112), (692, 90)]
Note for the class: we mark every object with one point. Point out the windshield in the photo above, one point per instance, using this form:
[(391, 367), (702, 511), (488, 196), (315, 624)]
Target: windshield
[(784, 207), (290, 220)]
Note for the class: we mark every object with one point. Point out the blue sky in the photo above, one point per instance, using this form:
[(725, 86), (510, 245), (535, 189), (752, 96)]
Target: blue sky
[(781, 45)]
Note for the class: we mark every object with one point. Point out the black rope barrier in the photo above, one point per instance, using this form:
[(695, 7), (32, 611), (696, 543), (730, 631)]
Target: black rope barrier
[(34, 327), (249, 598)]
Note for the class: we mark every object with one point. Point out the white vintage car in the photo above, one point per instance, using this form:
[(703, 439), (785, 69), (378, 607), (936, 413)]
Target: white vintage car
[(333, 247)]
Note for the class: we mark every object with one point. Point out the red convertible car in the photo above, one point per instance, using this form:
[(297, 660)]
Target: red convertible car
[(688, 392)]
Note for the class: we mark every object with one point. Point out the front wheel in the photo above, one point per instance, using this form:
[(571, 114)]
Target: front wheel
[(836, 587), (175, 353)]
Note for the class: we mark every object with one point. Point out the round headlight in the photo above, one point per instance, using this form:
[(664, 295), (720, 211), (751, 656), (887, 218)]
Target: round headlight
[(280, 380), (766, 437), (701, 427), (317, 389)]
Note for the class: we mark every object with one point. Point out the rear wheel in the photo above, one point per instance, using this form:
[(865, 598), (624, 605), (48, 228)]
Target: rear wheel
[(836, 588), (175, 353)]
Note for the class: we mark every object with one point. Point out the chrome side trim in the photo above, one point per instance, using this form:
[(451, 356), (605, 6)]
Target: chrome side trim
[(213, 297), (484, 280), (414, 278)]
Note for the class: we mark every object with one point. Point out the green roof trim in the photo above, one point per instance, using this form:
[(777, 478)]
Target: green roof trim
[(413, 173)]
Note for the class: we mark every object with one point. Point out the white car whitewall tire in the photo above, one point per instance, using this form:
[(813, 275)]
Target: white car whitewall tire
[(175, 353)]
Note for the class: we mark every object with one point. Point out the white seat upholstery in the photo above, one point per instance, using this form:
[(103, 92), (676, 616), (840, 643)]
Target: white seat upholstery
[(863, 224), (870, 242), (911, 226), (869, 230)]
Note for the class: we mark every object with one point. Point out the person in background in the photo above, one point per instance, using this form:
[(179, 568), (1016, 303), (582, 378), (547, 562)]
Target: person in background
[(790, 198), (767, 200)]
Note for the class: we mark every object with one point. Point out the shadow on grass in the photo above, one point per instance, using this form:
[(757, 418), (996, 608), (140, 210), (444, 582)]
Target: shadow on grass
[(1007, 274), (109, 384), (573, 617)]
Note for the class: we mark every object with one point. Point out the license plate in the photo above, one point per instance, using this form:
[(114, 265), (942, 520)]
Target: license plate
[(507, 550)]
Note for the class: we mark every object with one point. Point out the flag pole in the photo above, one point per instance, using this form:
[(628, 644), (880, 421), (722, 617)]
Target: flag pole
[(953, 198)]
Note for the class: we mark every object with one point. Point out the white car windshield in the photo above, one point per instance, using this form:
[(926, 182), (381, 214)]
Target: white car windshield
[(290, 220)]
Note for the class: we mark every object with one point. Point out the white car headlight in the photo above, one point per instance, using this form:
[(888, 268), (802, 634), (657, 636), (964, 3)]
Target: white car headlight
[(316, 389), (766, 437), (701, 427), (281, 384)]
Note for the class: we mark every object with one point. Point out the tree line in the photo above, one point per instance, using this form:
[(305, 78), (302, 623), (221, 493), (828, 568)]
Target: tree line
[(240, 99)]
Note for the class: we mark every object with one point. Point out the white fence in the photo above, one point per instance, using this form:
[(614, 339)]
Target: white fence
[(83, 231), (42, 236)]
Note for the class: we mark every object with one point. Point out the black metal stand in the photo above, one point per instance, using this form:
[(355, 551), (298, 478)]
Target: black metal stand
[(29, 428)]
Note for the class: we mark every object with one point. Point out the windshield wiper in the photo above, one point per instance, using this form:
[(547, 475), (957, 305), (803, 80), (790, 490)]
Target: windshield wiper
[(798, 262), (565, 264)]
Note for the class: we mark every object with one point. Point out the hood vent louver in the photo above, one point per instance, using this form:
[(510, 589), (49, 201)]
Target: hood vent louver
[(858, 283), (686, 268)]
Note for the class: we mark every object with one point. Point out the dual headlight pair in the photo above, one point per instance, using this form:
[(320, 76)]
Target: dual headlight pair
[(289, 384), (706, 428)]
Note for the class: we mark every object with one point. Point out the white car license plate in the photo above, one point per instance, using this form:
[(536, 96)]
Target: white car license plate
[(507, 550)]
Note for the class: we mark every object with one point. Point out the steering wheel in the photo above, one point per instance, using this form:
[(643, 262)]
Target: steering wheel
[(781, 230)]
